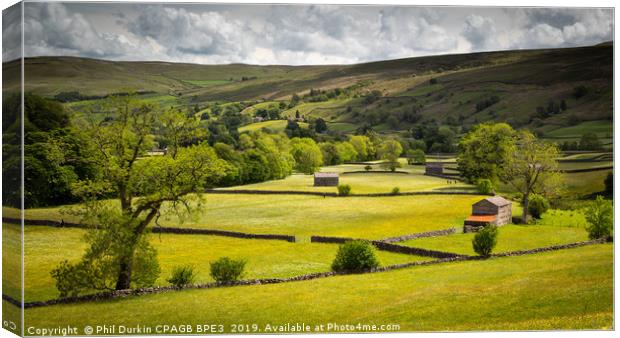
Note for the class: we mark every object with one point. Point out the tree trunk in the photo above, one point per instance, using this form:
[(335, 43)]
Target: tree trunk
[(526, 203), (124, 274)]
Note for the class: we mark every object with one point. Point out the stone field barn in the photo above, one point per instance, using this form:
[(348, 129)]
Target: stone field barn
[(494, 210), (326, 179)]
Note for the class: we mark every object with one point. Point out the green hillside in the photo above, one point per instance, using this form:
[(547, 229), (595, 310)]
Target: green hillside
[(457, 90)]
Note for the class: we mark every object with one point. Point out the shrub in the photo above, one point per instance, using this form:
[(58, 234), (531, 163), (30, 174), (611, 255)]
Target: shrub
[(182, 276), (485, 240), (537, 205), (355, 255), (484, 186), (227, 270), (416, 156), (395, 191), (344, 189), (368, 167), (600, 217)]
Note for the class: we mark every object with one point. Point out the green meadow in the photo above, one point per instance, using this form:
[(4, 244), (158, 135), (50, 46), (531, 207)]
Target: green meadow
[(569, 289)]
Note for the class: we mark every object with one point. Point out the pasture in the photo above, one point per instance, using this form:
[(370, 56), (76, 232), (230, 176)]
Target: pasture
[(575, 283), (570, 289)]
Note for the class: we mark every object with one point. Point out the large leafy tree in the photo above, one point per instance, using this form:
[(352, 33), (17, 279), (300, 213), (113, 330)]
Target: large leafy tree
[(389, 151), (307, 155), (483, 152), (119, 256), (531, 167)]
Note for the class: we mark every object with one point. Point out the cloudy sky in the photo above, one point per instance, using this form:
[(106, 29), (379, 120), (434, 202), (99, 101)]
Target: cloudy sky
[(293, 34)]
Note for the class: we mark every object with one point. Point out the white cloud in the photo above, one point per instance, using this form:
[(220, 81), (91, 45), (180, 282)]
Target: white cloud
[(299, 34)]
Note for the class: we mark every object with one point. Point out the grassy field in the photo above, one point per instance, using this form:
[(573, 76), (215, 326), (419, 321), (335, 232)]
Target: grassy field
[(569, 289), (510, 238), (361, 183), (303, 216), (274, 125), (207, 83), (603, 129), (46, 247)]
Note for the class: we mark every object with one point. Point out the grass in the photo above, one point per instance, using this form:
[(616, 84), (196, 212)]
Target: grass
[(361, 183), (601, 128), (570, 289), (46, 247), (207, 83), (554, 228), (274, 125), (303, 216), (585, 183), (11, 260)]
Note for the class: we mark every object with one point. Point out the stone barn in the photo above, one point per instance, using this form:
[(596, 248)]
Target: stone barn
[(326, 179), (434, 169), (494, 210)]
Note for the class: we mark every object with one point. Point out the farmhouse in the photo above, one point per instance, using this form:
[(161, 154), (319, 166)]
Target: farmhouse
[(434, 169), (494, 210), (325, 179)]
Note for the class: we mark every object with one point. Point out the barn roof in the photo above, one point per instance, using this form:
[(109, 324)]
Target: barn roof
[(496, 200), (325, 174), (481, 218)]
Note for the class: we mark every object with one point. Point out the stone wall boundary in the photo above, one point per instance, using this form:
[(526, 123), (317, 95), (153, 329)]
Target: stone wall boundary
[(161, 289), (434, 233), (384, 246), (160, 230)]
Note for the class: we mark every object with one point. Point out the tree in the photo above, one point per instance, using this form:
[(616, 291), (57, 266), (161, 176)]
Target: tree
[(600, 217), (389, 151), (119, 255), (307, 155), (330, 153), (363, 146), (531, 167), (320, 126), (590, 141), (485, 240), (416, 156), (538, 205), (357, 255), (346, 151), (484, 151)]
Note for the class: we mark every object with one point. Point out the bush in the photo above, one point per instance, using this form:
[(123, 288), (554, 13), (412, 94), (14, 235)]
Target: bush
[(485, 240), (537, 205), (600, 217), (484, 186), (182, 276), (355, 255), (227, 270), (395, 191), (344, 189), (416, 156)]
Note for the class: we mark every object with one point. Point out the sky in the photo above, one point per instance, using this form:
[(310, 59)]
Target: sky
[(291, 34)]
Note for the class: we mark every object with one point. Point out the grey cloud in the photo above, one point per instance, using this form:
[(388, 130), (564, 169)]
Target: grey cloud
[(11, 33), (51, 29), (298, 34), (479, 31)]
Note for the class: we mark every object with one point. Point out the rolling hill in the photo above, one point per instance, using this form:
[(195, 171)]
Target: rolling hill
[(463, 89)]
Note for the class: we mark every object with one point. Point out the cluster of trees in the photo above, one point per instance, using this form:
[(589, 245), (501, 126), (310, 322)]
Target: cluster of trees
[(484, 104), (498, 153), (440, 139), (57, 155), (588, 141), (551, 109)]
